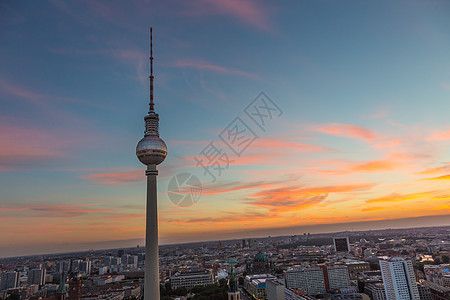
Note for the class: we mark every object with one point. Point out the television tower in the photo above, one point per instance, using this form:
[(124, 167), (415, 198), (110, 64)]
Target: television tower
[(151, 151)]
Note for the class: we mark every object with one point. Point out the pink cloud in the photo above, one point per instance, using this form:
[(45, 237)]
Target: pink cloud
[(251, 12), (70, 210), (389, 144), (435, 170), (349, 131), (42, 99), (26, 146), (440, 136), (117, 177), (237, 186), (287, 145), (127, 217), (203, 65), (15, 90)]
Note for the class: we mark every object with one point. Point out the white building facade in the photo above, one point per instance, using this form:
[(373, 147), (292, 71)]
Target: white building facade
[(189, 280), (310, 280), (399, 280)]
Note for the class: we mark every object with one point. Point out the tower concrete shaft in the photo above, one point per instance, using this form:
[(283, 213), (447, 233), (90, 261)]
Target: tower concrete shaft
[(151, 283), (151, 151)]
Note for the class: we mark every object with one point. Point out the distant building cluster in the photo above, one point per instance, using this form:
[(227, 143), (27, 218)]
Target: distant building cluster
[(408, 264)]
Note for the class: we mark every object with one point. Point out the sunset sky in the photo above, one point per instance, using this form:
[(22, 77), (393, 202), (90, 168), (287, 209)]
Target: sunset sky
[(364, 133)]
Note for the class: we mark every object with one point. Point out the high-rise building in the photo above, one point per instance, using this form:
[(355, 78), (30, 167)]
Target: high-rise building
[(151, 151), (9, 280), (76, 265), (275, 289), (310, 280), (37, 276), (375, 291), (341, 244), (107, 261), (115, 261), (62, 266), (398, 279), (85, 267), (132, 261), (336, 277)]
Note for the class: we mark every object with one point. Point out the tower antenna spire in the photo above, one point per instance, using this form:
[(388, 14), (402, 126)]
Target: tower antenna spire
[(152, 105)]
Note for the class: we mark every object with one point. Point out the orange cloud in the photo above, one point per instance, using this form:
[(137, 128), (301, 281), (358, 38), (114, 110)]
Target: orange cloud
[(376, 165), (444, 177), (237, 186), (349, 131), (294, 198), (389, 144), (440, 136), (376, 208), (436, 170), (345, 167), (397, 197)]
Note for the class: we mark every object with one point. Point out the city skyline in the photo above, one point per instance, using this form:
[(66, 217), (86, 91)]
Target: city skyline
[(363, 134)]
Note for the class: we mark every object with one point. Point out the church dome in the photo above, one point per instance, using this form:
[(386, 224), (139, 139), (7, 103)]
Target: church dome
[(260, 257)]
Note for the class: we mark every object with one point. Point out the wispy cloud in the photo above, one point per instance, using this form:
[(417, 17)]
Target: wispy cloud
[(348, 130), (23, 146), (374, 166), (116, 177), (443, 177), (66, 210), (294, 198), (239, 185), (127, 217), (435, 170), (398, 197), (252, 12), (223, 217), (204, 65), (19, 91), (388, 144), (26, 145), (283, 145), (440, 136)]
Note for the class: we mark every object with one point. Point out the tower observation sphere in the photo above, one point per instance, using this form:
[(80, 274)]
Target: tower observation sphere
[(151, 150)]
